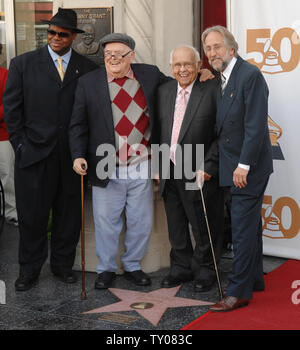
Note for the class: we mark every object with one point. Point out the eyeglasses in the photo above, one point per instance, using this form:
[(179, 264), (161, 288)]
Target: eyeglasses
[(60, 34), (177, 66), (118, 55), (216, 48)]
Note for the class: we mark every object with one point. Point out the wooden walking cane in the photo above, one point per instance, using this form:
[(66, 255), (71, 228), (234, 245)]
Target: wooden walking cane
[(83, 292)]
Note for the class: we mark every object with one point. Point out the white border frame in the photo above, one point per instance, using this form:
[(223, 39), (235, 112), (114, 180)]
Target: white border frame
[(228, 14), (10, 33)]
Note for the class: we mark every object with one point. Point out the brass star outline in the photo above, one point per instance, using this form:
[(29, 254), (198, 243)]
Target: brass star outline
[(162, 299)]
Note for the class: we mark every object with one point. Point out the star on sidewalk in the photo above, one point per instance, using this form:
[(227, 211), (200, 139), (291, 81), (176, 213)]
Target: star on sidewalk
[(150, 305)]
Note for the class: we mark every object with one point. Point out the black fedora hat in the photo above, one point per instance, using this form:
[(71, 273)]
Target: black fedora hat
[(65, 18)]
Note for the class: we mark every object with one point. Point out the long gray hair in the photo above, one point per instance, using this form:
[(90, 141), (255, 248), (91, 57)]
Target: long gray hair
[(229, 39)]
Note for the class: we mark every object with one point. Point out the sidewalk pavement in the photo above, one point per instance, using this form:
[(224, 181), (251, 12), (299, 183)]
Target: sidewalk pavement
[(53, 305)]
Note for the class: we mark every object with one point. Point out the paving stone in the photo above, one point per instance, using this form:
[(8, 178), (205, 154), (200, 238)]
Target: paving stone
[(53, 305)]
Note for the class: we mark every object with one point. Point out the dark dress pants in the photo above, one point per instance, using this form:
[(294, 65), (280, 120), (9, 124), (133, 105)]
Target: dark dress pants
[(40, 188), (184, 207), (247, 271)]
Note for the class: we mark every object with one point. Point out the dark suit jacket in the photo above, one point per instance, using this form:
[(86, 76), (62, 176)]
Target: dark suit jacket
[(242, 126), (92, 120), (38, 106), (198, 126)]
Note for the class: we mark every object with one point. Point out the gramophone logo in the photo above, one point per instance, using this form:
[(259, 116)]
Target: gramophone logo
[(271, 62), (281, 220), (277, 53), (275, 134)]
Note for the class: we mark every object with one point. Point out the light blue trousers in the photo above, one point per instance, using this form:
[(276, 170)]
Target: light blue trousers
[(134, 198)]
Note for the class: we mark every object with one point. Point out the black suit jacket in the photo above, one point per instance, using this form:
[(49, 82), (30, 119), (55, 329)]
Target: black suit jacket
[(198, 127), (92, 119), (38, 106), (242, 126)]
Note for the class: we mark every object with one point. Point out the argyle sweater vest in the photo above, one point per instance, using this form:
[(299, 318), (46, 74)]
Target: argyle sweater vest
[(131, 121)]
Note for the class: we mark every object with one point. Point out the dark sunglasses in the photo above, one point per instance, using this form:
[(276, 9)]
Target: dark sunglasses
[(60, 34)]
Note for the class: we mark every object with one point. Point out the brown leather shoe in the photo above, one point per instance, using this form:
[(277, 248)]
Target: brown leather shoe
[(229, 303)]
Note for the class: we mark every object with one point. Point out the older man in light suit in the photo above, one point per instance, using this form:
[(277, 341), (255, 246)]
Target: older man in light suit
[(187, 115), (245, 160)]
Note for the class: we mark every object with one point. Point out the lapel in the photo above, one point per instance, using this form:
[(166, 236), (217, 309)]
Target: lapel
[(142, 78), (194, 101), (74, 70), (146, 83), (47, 66), (169, 103), (102, 98), (225, 102)]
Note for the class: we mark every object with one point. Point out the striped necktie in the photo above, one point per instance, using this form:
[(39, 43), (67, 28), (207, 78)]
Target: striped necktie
[(177, 123), (223, 84), (60, 69)]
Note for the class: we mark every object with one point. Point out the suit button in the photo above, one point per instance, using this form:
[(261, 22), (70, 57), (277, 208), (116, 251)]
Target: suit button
[(227, 140)]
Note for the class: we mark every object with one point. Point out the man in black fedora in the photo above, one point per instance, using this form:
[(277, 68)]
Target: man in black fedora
[(38, 103)]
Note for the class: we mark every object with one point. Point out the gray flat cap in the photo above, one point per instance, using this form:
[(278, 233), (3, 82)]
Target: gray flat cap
[(118, 38)]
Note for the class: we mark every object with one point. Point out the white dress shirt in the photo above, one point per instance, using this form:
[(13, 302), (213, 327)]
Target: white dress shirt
[(187, 89)]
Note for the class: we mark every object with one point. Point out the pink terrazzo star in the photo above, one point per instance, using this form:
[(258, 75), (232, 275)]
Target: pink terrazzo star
[(162, 299)]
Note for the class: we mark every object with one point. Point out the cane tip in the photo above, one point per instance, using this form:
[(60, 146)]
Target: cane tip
[(83, 296)]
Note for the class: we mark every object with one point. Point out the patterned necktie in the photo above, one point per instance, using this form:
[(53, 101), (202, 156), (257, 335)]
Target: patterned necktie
[(177, 123), (223, 84), (60, 69)]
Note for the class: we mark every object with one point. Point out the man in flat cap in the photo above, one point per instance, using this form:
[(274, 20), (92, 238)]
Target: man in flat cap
[(38, 103), (115, 106)]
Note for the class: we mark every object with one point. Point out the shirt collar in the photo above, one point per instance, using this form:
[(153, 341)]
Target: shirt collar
[(188, 88), (66, 57), (228, 70), (130, 75)]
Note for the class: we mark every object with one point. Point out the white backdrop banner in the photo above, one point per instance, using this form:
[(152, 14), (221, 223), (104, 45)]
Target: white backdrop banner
[(268, 33)]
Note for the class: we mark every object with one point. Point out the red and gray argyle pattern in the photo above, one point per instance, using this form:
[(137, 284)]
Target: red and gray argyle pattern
[(131, 119)]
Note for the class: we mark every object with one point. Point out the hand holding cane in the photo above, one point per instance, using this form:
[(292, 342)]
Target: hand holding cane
[(83, 292), (210, 239)]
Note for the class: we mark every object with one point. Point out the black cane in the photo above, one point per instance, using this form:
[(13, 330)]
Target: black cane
[(83, 292), (211, 243)]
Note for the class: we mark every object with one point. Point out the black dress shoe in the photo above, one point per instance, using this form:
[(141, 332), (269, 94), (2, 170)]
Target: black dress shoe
[(66, 276), (138, 277), (203, 285), (24, 283), (105, 280), (173, 281)]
